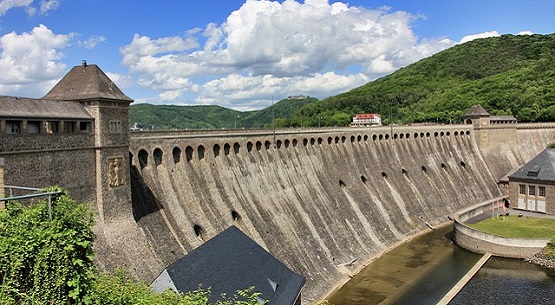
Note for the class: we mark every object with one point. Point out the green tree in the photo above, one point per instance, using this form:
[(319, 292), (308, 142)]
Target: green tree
[(51, 262), (43, 261)]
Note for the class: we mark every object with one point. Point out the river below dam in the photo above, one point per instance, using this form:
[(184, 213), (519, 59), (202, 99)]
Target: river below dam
[(423, 270)]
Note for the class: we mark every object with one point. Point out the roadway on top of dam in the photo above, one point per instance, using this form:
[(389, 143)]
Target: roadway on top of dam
[(386, 130)]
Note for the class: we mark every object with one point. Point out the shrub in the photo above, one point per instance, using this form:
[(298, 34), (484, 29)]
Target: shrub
[(51, 262), (43, 261)]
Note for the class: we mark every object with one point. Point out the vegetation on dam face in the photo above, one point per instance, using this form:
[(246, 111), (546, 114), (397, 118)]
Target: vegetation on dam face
[(508, 75)]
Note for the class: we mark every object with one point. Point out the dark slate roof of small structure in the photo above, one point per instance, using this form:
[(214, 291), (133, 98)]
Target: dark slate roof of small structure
[(18, 108), (476, 111), (232, 261), (540, 168), (502, 118), (86, 82)]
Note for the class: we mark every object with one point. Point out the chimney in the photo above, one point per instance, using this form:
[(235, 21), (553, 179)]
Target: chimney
[(2, 203)]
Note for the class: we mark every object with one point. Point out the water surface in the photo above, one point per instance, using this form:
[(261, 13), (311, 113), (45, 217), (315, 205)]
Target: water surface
[(420, 271)]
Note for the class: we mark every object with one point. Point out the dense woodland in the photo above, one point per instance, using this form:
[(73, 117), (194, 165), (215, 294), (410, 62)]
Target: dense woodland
[(508, 75)]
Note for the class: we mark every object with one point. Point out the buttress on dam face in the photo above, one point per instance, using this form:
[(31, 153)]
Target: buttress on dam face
[(322, 201)]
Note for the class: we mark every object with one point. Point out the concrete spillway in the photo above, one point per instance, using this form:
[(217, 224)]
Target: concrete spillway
[(315, 201)]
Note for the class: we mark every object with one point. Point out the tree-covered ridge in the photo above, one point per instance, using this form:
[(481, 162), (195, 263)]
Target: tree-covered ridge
[(511, 75), (209, 117)]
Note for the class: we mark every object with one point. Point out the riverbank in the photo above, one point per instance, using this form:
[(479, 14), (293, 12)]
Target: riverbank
[(416, 267), (357, 268), (541, 260)]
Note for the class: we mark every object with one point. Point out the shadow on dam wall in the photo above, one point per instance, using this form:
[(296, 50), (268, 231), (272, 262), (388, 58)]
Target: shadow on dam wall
[(315, 201)]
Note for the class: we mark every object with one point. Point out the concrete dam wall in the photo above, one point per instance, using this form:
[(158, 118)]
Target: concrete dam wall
[(315, 200), (509, 148)]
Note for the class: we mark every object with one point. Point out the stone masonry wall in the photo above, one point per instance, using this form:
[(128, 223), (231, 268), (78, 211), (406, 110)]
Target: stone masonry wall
[(42, 160)]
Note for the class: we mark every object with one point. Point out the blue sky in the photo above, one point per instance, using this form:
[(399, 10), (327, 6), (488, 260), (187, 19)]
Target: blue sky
[(242, 54)]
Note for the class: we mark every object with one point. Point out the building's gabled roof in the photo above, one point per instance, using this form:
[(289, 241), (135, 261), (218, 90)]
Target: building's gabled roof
[(86, 82), (229, 262), (540, 168), (20, 108), (476, 111)]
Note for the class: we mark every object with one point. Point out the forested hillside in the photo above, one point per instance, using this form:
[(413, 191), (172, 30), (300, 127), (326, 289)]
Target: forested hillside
[(158, 117), (507, 75)]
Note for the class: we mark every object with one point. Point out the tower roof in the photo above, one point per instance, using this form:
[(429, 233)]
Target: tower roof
[(86, 82), (476, 111)]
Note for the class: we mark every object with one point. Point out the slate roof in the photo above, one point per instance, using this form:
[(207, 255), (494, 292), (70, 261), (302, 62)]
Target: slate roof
[(229, 262), (476, 111), (18, 108), (502, 118), (86, 82), (540, 168)]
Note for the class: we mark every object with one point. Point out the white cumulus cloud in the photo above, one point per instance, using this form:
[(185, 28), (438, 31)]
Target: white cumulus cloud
[(31, 62), (30, 6), (291, 43), (92, 41), (480, 35)]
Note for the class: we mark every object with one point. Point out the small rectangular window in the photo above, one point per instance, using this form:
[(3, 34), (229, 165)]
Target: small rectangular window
[(541, 191), (116, 127), (522, 189), (69, 127), (13, 127), (85, 127), (52, 127), (33, 126), (532, 190)]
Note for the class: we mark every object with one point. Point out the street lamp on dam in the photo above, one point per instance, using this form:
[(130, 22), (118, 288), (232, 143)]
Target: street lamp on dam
[(235, 116)]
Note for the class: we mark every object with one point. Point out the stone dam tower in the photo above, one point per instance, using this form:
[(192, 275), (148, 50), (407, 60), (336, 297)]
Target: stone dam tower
[(315, 199)]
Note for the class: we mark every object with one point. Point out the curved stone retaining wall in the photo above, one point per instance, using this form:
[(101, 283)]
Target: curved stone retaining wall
[(480, 242)]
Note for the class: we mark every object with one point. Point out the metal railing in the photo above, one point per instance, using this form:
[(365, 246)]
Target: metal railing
[(11, 197)]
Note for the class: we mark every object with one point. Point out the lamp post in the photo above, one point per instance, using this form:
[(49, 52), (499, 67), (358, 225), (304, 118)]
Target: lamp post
[(235, 117)]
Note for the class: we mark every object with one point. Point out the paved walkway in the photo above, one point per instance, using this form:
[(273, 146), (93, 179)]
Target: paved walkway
[(530, 214)]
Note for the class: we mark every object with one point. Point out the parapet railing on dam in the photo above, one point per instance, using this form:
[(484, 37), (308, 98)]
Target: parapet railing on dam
[(225, 142), (481, 242), (387, 131)]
